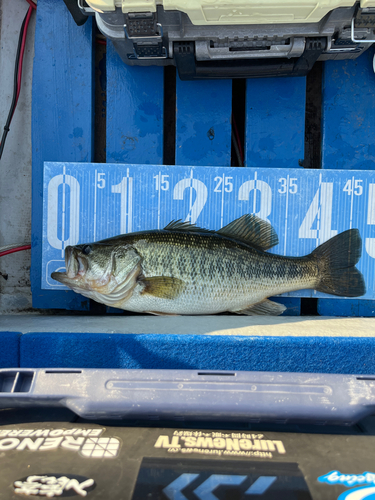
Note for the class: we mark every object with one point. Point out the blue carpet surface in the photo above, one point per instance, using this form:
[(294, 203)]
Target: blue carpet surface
[(9, 349), (202, 352)]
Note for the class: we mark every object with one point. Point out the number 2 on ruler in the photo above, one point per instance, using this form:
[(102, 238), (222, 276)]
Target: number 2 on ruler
[(192, 185)]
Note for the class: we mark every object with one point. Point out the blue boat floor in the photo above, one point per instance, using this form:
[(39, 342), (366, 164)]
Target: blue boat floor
[(312, 345)]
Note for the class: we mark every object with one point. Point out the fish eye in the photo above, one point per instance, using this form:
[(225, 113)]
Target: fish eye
[(87, 249)]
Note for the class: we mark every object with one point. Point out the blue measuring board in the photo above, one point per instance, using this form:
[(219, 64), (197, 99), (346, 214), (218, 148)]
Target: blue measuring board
[(275, 122), (203, 128), (85, 202), (275, 131), (62, 117), (134, 111), (348, 108), (348, 141)]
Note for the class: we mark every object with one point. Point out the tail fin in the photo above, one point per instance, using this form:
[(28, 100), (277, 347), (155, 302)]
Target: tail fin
[(336, 259)]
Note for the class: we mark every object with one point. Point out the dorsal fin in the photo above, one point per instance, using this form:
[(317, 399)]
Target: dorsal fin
[(251, 230), (179, 225)]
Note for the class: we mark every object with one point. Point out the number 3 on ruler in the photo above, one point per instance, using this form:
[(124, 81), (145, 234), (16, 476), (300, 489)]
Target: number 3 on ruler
[(265, 196)]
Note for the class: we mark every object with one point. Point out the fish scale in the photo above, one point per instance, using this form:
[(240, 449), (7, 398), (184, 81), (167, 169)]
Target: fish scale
[(214, 273), (184, 269)]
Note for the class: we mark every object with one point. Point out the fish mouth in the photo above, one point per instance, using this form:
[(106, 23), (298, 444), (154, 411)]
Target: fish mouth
[(76, 267), (60, 277)]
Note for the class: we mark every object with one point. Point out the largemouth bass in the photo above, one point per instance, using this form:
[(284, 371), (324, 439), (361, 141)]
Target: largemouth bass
[(184, 269)]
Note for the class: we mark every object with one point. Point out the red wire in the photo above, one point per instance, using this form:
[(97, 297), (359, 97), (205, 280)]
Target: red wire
[(32, 4), (17, 249), (102, 42), (23, 45), (238, 138), (19, 79), (19, 63)]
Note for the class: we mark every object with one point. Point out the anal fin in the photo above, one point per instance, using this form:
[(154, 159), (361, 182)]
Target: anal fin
[(264, 308), (157, 313)]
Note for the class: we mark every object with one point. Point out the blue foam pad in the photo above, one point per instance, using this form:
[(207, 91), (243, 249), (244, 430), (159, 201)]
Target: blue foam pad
[(202, 352), (9, 349)]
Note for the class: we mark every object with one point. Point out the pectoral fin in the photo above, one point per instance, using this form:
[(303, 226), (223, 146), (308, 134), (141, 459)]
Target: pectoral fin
[(163, 287), (264, 308)]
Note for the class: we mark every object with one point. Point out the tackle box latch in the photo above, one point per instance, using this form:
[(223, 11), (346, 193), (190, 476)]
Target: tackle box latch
[(143, 29), (314, 47), (365, 19)]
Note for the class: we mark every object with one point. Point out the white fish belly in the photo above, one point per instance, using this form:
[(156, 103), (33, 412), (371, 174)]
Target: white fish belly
[(204, 300)]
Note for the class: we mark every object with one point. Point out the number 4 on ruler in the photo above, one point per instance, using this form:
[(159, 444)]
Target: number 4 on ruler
[(320, 209)]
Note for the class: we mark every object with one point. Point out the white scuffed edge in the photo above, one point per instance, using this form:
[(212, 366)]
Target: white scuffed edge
[(304, 326)]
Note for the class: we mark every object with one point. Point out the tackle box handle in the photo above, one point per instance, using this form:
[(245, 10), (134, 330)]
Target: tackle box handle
[(193, 395), (191, 69)]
